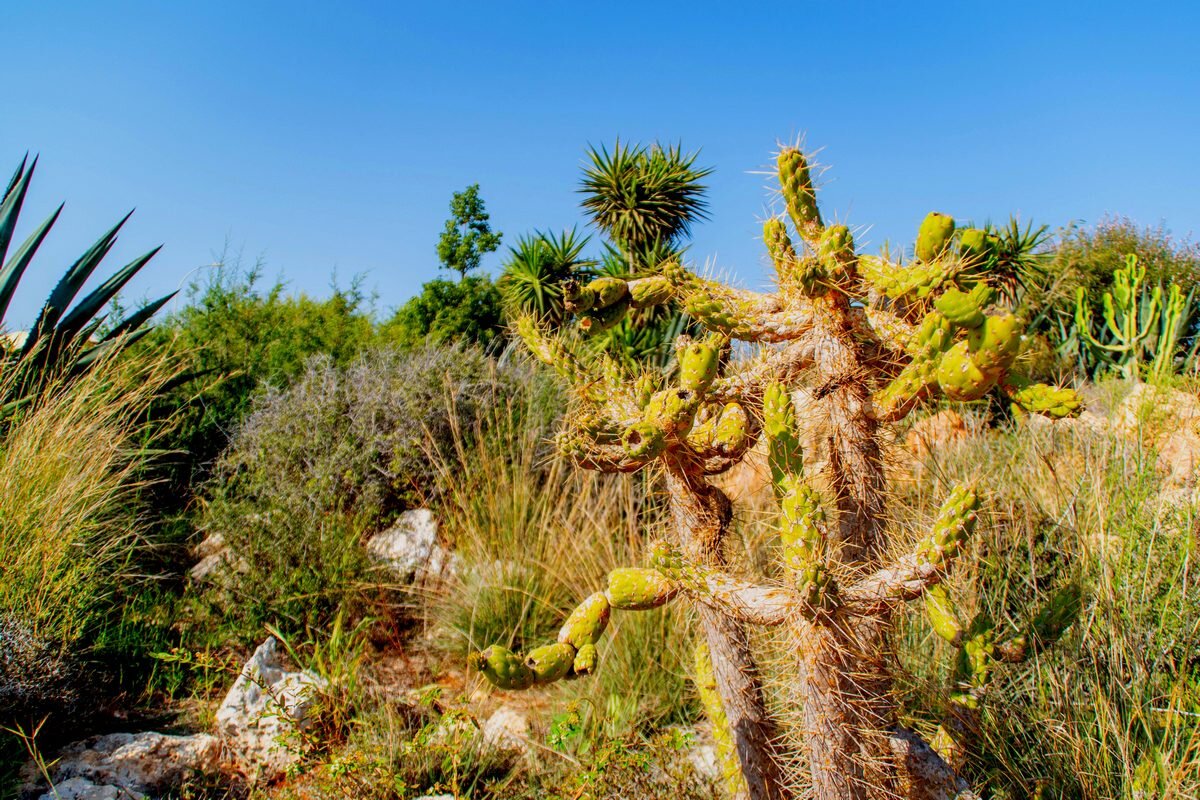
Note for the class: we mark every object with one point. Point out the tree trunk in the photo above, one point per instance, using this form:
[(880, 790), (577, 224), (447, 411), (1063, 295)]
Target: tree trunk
[(701, 515)]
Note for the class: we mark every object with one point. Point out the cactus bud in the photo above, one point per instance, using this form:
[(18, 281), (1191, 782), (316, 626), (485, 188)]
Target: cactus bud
[(550, 662), (935, 233), (996, 342), (795, 183), (502, 667), (698, 363), (587, 622), (964, 309), (636, 589), (585, 660), (650, 291), (959, 376)]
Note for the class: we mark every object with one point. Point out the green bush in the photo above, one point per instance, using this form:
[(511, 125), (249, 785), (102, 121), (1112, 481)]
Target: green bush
[(317, 467), (470, 310)]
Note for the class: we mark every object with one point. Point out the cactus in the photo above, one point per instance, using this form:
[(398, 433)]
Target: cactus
[(876, 338)]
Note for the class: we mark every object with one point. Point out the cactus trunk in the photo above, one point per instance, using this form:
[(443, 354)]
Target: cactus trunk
[(701, 515)]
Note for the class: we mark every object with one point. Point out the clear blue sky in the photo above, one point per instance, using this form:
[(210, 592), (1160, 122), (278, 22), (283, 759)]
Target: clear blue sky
[(330, 136)]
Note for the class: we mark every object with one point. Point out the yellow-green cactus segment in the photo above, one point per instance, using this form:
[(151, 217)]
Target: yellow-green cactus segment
[(547, 348), (502, 667), (672, 410), (1058, 614), (942, 617), (727, 758), (644, 388), (779, 246), (550, 662), (965, 309), (1039, 398), (960, 377), (818, 588), (954, 523), (975, 662), (935, 233), (638, 589), (800, 529), (585, 660), (835, 252), (785, 456), (653, 290), (976, 246), (644, 440), (896, 281), (587, 622), (698, 363), (926, 347), (601, 319), (732, 428), (795, 183), (578, 298), (608, 290), (995, 343)]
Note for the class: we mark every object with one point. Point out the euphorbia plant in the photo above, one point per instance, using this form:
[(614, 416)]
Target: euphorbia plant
[(874, 338)]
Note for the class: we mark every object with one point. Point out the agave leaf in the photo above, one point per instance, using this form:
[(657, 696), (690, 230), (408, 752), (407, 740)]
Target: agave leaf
[(10, 207), (10, 276), (89, 306), (90, 355), (70, 285), (138, 318)]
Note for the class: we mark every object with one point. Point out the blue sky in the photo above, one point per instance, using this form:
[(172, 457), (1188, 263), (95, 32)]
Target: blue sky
[(330, 136)]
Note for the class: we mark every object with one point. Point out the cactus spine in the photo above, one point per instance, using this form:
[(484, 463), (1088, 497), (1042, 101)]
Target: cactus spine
[(876, 338)]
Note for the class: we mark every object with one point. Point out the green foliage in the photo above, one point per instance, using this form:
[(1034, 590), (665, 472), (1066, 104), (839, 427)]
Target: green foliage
[(467, 236), (470, 311), (236, 338), (63, 339), (317, 467), (535, 271)]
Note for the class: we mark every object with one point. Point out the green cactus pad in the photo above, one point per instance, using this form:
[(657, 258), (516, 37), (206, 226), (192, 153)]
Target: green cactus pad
[(964, 309), (836, 250), (550, 662), (779, 246), (502, 667), (940, 610), (795, 183), (587, 622), (818, 588), (800, 526), (976, 246), (959, 377), (578, 298), (732, 428), (601, 319), (608, 290), (954, 523), (650, 291), (785, 456), (698, 363), (644, 440), (1049, 401), (637, 589), (935, 233), (585, 660), (672, 410), (996, 342)]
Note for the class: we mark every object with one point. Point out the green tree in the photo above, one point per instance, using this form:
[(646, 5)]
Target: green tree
[(468, 311), (467, 235)]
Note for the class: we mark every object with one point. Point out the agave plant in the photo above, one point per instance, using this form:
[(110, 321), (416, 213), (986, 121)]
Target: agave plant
[(535, 271), (63, 337)]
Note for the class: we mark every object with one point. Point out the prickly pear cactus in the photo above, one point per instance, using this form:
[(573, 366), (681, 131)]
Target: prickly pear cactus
[(875, 337)]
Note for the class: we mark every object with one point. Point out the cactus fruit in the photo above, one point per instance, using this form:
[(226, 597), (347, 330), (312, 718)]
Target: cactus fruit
[(964, 309), (601, 318), (935, 233), (954, 523), (959, 377), (1050, 401), (995, 343), (502, 667), (644, 440), (795, 183), (698, 362), (587, 622), (585, 660), (636, 589), (940, 610), (672, 410), (608, 290), (653, 290), (550, 662), (724, 431), (577, 297)]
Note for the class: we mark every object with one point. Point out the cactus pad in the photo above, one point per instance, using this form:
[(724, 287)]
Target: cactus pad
[(795, 183), (502, 667), (636, 589), (550, 662), (935, 233), (585, 660), (650, 291), (587, 622), (954, 523), (698, 362)]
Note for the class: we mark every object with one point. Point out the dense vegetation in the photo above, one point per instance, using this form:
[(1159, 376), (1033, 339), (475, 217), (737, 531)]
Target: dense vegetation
[(298, 427)]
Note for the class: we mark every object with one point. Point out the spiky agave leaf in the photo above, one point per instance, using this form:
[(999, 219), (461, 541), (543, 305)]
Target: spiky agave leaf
[(536, 268), (639, 195)]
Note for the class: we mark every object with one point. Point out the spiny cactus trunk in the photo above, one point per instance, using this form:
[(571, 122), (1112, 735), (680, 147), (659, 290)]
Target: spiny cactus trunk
[(701, 515)]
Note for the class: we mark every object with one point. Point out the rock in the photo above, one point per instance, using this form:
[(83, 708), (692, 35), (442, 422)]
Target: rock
[(1169, 421), (703, 758), (507, 729), (264, 712), (215, 554), (936, 433), (410, 548), (130, 765)]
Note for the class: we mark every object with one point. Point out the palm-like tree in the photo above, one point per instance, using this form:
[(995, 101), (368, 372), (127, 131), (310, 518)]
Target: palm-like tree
[(536, 268)]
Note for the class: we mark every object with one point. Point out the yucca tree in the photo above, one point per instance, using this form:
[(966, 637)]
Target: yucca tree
[(536, 269), (63, 337)]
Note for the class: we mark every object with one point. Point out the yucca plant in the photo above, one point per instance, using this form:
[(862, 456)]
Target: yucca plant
[(536, 269), (63, 339)]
